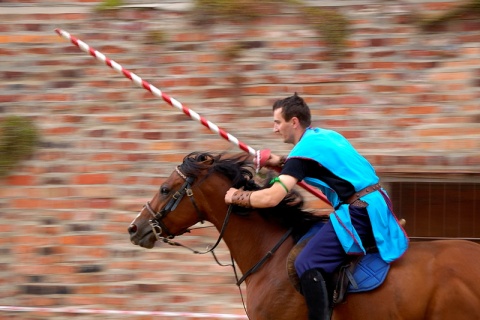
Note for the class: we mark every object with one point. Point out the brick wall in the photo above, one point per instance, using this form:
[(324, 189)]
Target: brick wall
[(408, 99)]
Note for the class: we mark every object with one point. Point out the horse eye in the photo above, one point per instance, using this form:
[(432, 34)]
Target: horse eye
[(164, 190)]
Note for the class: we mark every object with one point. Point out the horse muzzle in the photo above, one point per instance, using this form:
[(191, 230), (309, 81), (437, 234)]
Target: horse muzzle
[(143, 239)]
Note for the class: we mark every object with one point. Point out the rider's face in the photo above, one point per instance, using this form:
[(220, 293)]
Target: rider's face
[(284, 128)]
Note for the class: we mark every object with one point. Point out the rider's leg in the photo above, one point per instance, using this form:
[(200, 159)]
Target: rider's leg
[(314, 289), (322, 255), (315, 265), (324, 251)]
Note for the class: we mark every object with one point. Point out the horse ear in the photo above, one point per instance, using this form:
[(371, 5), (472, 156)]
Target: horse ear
[(205, 158)]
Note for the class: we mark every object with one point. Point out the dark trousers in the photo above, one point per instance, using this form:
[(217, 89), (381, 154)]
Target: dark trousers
[(325, 252)]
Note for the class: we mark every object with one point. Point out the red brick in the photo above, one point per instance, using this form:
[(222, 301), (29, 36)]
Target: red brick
[(28, 38), (90, 289), (61, 131), (92, 178), (422, 110), (352, 100), (20, 180), (103, 157)]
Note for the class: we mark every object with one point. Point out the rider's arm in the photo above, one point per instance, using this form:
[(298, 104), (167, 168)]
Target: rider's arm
[(269, 197), (272, 196), (264, 198)]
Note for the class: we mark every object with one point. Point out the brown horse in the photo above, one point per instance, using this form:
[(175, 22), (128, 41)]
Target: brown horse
[(433, 280)]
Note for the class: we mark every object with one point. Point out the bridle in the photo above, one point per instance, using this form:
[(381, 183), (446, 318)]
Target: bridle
[(157, 224)]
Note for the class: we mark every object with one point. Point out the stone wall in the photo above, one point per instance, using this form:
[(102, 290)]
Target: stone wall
[(409, 99)]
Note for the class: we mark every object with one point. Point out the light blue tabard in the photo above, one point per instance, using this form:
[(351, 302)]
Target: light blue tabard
[(332, 151)]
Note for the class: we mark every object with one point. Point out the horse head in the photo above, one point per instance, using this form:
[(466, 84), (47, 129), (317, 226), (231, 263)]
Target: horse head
[(186, 197)]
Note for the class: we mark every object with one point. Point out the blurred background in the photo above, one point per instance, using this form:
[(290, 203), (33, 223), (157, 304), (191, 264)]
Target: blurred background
[(82, 148)]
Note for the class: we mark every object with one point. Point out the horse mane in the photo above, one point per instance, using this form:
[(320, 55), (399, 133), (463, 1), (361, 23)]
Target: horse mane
[(289, 213)]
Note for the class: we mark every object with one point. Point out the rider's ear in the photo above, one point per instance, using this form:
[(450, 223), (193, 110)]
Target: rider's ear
[(295, 121)]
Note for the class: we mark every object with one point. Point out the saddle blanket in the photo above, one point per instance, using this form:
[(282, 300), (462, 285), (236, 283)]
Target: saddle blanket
[(369, 273)]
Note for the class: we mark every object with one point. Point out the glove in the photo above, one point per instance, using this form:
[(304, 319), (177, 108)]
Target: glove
[(261, 158)]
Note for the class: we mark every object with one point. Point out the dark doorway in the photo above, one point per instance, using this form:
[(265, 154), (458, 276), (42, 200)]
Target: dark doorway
[(438, 209)]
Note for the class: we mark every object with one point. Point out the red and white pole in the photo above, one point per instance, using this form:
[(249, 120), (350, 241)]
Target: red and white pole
[(155, 91), (171, 101)]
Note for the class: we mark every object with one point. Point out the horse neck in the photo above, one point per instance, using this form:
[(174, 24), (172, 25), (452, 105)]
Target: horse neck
[(249, 238)]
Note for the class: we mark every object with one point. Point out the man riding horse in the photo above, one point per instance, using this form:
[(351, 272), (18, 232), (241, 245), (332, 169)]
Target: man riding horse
[(363, 216)]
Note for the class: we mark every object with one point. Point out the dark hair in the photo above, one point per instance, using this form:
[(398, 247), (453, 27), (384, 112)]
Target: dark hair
[(294, 106)]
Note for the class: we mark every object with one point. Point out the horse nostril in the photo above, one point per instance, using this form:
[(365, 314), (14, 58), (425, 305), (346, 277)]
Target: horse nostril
[(132, 229)]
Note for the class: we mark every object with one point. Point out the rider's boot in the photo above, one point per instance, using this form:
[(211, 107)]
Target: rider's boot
[(314, 289)]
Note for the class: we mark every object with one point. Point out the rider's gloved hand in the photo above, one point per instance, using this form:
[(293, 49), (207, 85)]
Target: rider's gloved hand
[(261, 158), (264, 158)]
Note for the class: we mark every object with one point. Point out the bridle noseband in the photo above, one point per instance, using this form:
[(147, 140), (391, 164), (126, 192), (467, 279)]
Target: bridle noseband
[(157, 224)]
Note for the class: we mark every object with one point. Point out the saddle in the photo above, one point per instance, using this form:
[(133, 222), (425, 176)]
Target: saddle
[(358, 274)]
